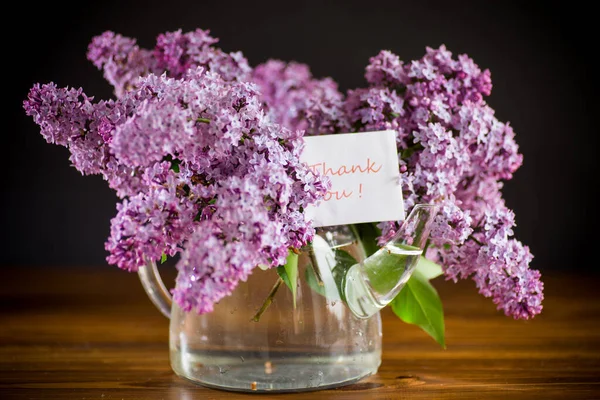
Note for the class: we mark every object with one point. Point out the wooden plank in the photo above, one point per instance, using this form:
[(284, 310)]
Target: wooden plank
[(91, 333)]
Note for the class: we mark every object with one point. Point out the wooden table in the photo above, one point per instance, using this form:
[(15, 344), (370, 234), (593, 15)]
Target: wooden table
[(91, 333)]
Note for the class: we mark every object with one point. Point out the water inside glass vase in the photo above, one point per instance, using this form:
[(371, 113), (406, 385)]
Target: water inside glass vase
[(317, 344)]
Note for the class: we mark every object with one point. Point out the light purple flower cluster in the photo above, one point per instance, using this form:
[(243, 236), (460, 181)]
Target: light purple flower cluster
[(175, 53), (288, 90), (298, 101), (453, 151), (203, 171), (121, 59), (67, 117)]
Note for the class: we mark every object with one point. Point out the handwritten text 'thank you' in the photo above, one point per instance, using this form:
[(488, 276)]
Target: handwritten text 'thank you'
[(368, 167)]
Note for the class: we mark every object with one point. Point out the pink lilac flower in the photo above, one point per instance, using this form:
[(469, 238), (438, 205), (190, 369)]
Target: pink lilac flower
[(177, 52), (374, 109), (298, 101), (507, 279), (68, 117), (217, 181), (123, 61), (386, 69), (453, 151), (293, 97), (149, 225)]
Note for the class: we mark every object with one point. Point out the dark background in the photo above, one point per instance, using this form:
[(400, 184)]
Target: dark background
[(539, 54)]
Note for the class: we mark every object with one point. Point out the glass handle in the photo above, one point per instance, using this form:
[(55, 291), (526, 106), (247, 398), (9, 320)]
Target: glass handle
[(155, 288), (374, 283)]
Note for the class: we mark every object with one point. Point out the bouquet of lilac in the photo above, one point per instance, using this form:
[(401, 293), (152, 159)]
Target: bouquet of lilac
[(204, 152), (201, 169), (452, 151)]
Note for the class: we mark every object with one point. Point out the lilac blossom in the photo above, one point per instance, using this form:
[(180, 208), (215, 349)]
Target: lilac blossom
[(69, 118), (177, 52), (386, 69), (454, 152), (239, 235), (149, 225), (123, 61), (216, 180), (507, 279), (514, 287), (298, 101), (293, 97)]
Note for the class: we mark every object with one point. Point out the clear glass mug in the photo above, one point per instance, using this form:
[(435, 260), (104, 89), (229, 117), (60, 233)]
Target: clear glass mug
[(258, 340)]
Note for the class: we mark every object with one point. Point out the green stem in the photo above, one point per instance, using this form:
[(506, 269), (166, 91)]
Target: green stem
[(359, 239), (354, 230), (315, 266), (203, 120), (267, 301)]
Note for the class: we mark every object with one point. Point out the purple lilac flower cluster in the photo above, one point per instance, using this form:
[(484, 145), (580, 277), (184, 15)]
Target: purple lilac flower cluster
[(203, 171), (452, 151), (175, 53), (242, 180), (293, 97), (298, 101), (455, 152)]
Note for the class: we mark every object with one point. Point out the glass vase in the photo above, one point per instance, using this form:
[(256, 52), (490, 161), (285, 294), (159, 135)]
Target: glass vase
[(260, 340)]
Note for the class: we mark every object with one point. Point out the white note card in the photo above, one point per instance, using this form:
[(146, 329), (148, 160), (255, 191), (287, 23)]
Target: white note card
[(364, 174)]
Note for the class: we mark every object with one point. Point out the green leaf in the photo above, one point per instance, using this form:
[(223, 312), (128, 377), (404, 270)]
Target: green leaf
[(368, 234), (428, 269), (418, 303), (174, 162), (198, 216), (289, 274), (406, 153), (163, 258)]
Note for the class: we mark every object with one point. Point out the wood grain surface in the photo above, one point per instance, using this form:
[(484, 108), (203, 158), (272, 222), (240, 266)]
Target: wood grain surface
[(91, 333)]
